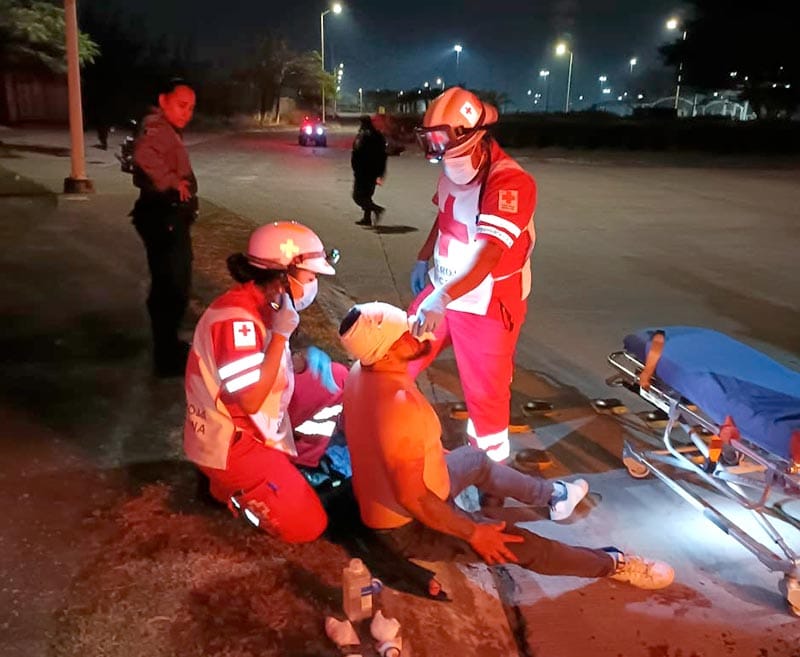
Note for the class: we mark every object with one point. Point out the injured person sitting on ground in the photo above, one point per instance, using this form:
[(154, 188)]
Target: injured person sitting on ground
[(405, 482)]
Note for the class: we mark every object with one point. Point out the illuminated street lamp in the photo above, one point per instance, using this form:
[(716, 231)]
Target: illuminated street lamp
[(674, 24), (440, 82), (336, 8), (360, 100), (563, 49), (602, 80), (633, 63), (457, 48), (545, 74)]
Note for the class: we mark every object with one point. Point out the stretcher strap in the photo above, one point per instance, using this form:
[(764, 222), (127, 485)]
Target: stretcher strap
[(653, 356)]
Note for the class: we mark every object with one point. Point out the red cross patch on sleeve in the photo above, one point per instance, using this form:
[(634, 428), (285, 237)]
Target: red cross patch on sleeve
[(508, 200), (244, 335)]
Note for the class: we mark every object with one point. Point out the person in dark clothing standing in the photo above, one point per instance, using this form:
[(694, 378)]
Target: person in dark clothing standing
[(163, 215), (369, 166)]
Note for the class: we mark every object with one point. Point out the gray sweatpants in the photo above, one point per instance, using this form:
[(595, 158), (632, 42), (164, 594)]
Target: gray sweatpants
[(470, 466)]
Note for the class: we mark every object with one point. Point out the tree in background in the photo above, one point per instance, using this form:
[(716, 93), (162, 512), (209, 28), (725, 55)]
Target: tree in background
[(275, 67), (754, 40), (32, 36), (499, 99)]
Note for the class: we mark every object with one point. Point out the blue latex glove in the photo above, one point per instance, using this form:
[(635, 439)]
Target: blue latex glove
[(419, 276), (320, 365), (431, 312)]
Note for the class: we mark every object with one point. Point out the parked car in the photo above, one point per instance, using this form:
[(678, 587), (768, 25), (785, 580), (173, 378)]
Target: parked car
[(312, 133)]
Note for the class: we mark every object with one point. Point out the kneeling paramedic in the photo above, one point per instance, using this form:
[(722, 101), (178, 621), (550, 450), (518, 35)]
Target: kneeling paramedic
[(405, 483), (249, 419)]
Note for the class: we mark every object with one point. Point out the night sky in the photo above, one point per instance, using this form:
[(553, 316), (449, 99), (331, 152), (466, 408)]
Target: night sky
[(402, 44)]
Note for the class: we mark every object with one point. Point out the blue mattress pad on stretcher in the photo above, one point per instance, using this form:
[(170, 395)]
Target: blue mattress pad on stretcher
[(724, 378)]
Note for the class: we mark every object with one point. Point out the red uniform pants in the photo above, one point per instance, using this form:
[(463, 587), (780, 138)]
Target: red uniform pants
[(484, 347), (265, 480)]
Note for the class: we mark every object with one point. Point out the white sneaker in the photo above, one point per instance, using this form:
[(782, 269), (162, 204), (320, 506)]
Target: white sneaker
[(642, 572), (576, 491)]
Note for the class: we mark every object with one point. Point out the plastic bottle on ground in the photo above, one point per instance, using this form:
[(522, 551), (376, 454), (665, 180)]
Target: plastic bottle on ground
[(357, 591)]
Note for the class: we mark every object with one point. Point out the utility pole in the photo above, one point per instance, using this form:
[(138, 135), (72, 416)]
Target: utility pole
[(77, 182)]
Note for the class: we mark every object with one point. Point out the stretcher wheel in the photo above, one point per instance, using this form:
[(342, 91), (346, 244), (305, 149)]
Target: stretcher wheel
[(636, 469)]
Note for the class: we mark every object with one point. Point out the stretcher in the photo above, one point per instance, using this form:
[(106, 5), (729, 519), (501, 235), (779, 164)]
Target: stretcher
[(730, 418)]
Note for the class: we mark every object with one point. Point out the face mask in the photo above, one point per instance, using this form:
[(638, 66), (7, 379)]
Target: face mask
[(460, 169), (308, 296)]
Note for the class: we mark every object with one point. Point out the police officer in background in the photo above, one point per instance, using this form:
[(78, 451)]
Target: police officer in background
[(368, 161), (163, 215)]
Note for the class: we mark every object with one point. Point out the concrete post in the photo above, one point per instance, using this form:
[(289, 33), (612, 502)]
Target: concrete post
[(77, 183)]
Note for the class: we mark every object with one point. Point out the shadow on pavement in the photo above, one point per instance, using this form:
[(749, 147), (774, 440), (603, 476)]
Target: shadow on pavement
[(56, 151), (395, 230)]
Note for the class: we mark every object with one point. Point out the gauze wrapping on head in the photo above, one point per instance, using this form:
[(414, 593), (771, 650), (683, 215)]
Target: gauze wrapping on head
[(377, 328)]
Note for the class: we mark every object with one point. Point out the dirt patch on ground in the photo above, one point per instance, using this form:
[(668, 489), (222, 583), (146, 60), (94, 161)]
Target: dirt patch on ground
[(167, 582)]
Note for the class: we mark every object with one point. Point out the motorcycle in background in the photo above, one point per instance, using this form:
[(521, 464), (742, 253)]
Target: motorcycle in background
[(125, 155)]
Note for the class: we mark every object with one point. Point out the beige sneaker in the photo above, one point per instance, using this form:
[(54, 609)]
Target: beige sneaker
[(642, 572)]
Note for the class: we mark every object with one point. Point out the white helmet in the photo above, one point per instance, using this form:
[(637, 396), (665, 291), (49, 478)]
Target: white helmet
[(284, 244)]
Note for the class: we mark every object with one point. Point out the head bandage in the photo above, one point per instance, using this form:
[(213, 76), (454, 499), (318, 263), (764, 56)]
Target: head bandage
[(377, 328)]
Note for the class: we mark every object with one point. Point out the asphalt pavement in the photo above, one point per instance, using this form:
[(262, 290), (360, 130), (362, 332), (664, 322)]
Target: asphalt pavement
[(623, 241)]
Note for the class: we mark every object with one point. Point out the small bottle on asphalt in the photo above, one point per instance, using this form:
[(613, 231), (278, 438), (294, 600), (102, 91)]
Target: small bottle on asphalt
[(357, 591)]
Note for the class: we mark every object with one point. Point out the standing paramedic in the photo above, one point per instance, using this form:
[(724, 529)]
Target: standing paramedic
[(163, 215), (249, 419), (480, 243)]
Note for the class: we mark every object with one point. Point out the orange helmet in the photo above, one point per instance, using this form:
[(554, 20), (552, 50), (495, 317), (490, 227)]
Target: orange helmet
[(284, 244), (455, 122)]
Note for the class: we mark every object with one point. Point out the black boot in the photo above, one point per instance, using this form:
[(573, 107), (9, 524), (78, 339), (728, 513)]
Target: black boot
[(366, 220)]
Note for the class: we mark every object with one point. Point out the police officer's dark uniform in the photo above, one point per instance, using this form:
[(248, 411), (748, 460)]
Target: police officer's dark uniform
[(368, 160), (163, 222)]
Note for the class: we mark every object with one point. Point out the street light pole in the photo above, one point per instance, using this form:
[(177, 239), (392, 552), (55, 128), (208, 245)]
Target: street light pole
[(544, 73), (77, 183), (336, 9), (633, 63), (360, 100), (458, 50), (562, 49), (674, 24)]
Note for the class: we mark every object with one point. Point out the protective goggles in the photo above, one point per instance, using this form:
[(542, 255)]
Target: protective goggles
[(436, 140), (331, 257)]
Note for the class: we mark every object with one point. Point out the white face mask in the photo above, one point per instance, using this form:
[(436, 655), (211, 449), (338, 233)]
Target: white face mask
[(309, 294), (460, 169)]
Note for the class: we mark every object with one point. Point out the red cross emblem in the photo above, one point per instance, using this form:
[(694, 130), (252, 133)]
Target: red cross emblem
[(244, 335), (508, 201), (450, 228), (469, 113), (290, 249)]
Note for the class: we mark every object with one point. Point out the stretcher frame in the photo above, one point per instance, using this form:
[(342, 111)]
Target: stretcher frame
[(727, 467)]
